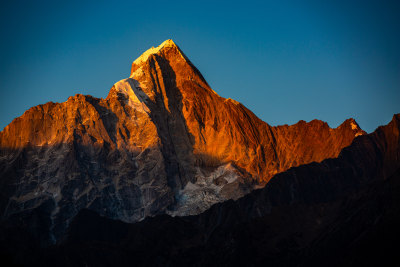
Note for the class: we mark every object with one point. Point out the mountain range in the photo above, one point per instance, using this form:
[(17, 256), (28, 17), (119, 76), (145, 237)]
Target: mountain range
[(164, 171)]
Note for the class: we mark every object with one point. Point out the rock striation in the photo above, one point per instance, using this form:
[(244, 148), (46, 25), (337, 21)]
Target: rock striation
[(339, 212), (161, 142)]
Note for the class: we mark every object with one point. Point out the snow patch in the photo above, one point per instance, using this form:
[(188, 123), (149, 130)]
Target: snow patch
[(154, 50), (136, 98), (209, 189), (353, 126)]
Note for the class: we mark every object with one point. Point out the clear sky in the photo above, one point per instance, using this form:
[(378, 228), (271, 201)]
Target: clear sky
[(285, 60)]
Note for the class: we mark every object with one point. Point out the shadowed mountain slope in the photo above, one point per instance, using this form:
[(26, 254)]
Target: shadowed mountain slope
[(161, 142), (340, 212)]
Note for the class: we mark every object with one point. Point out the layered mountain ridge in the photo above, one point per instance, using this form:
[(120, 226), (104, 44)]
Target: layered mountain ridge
[(161, 142), (340, 212)]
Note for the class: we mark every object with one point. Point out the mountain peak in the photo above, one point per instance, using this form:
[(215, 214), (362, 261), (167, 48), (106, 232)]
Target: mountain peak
[(160, 69), (168, 42), (155, 50), (161, 142), (353, 125)]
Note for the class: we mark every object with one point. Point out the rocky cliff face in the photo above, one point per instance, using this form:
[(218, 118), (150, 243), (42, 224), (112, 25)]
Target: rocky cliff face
[(161, 142), (340, 212)]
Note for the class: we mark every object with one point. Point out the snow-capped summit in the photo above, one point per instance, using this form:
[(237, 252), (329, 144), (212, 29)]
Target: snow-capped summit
[(154, 50)]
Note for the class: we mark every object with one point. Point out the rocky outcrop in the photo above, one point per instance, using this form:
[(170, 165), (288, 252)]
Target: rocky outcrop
[(161, 142), (340, 212)]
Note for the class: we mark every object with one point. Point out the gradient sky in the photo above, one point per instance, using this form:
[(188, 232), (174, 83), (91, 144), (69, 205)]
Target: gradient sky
[(285, 60)]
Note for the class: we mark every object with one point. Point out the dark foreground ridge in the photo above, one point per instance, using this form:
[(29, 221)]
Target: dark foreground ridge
[(340, 212)]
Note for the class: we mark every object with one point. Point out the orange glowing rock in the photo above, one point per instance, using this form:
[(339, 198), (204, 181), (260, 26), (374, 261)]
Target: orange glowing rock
[(162, 137)]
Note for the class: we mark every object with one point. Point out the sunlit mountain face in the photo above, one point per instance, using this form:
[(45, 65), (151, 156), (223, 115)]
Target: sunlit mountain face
[(164, 157)]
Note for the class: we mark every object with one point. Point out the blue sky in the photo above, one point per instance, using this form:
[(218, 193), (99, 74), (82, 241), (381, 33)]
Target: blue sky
[(285, 60)]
